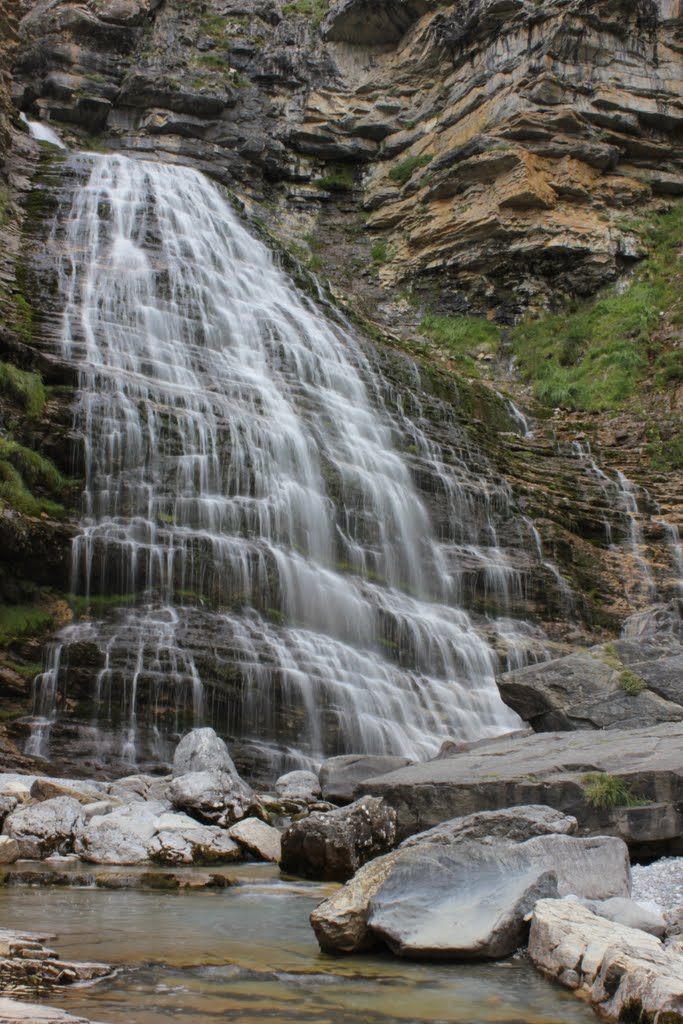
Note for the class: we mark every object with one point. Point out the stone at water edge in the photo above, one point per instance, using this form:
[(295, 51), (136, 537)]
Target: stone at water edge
[(214, 797), (201, 844), (340, 777), (332, 846), (14, 1012), (597, 867), (121, 837), (625, 973), (9, 850), (48, 827), (202, 750), (261, 840)]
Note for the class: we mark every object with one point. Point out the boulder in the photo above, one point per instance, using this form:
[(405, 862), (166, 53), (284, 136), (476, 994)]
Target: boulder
[(45, 828), (97, 809), (512, 824), (624, 973), (199, 844), (9, 850), (218, 798), (121, 837), (462, 902), (47, 789), (584, 690), (332, 846), (202, 750), (629, 913), (342, 778), (549, 768), (298, 787), (257, 838), (594, 868)]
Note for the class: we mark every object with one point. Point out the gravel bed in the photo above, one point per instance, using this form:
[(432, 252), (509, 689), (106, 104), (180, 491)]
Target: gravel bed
[(661, 881)]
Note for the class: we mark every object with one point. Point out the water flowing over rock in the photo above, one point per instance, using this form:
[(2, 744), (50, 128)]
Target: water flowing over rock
[(332, 846), (240, 454)]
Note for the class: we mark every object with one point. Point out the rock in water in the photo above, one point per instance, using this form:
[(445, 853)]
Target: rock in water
[(624, 973), (464, 903), (203, 844), (259, 839), (121, 837), (341, 777), (332, 846), (45, 828)]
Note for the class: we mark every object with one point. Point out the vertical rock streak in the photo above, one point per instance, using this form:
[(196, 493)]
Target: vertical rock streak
[(244, 496)]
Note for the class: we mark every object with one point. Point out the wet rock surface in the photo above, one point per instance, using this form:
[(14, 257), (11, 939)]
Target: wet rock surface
[(342, 778)]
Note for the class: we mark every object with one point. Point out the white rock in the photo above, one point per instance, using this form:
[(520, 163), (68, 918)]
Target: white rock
[(176, 822), (201, 844), (48, 827), (300, 786), (97, 809), (202, 750), (13, 1012), (261, 840), (620, 970), (120, 837)]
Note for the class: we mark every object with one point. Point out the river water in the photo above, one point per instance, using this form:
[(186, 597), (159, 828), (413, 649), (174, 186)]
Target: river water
[(247, 954)]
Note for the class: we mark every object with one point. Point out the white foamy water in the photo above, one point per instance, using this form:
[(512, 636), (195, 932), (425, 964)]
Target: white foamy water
[(245, 490), (42, 132)]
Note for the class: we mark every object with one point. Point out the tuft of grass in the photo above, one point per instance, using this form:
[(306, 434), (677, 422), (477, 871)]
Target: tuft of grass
[(404, 171), (603, 790), (631, 683), (337, 179), (313, 9), (379, 252), (20, 621), (23, 470), (27, 387), (593, 354), (463, 337)]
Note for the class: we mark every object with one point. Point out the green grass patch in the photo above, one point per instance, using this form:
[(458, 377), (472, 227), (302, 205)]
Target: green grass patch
[(21, 472), (337, 179), (404, 171), (462, 337), (631, 683), (27, 387), (603, 790), (379, 252), (21, 621), (313, 9), (593, 354)]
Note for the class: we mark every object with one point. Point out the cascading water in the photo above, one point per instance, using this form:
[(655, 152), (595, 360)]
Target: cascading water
[(248, 518)]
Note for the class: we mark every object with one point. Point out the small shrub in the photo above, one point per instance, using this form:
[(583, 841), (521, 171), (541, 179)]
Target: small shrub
[(630, 683), (603, 790), (379, 252), (404, 171), (315, 263), (19, 621), (314, 9), (27, 387), (338, 179)]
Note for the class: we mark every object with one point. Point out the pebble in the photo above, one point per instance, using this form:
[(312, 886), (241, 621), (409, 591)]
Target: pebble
[(661, 882)]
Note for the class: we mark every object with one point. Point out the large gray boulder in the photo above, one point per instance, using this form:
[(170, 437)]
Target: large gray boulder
[(427, 882), (299, 787), (550, 768), (199, 844), (342, 778), (202, 750), (511, 824), (121, 837), (217, 798), (624, 973), (45, 828), (206, 783), (331, 846), (462, 902), (590, 689)]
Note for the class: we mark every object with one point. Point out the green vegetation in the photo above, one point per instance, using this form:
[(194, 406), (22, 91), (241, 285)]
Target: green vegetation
[(21, 471), (603, 790), (18, 621), (337, 179), (379, 252), (313, 9), (593, 354), (27, 387), (463, 337), (404, 171), (631, 683)]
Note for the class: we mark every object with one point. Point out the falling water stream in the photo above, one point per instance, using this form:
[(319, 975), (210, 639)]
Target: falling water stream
[(251, 524)]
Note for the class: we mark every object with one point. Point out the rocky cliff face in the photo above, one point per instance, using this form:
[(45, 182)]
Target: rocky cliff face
[(493, 146)]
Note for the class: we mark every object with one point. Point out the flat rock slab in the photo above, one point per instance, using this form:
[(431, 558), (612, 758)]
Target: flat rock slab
[(625, 973), (14, 1012), (546, 768), (260, 840), (583, 691), (342, 778)]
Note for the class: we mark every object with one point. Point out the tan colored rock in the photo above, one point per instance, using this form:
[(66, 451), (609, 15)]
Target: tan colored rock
[(9, 850), (259, 839), (624, 973), (339, 922)]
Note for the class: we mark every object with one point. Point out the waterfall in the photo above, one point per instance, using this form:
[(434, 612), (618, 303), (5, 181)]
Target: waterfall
[(255, 551)]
